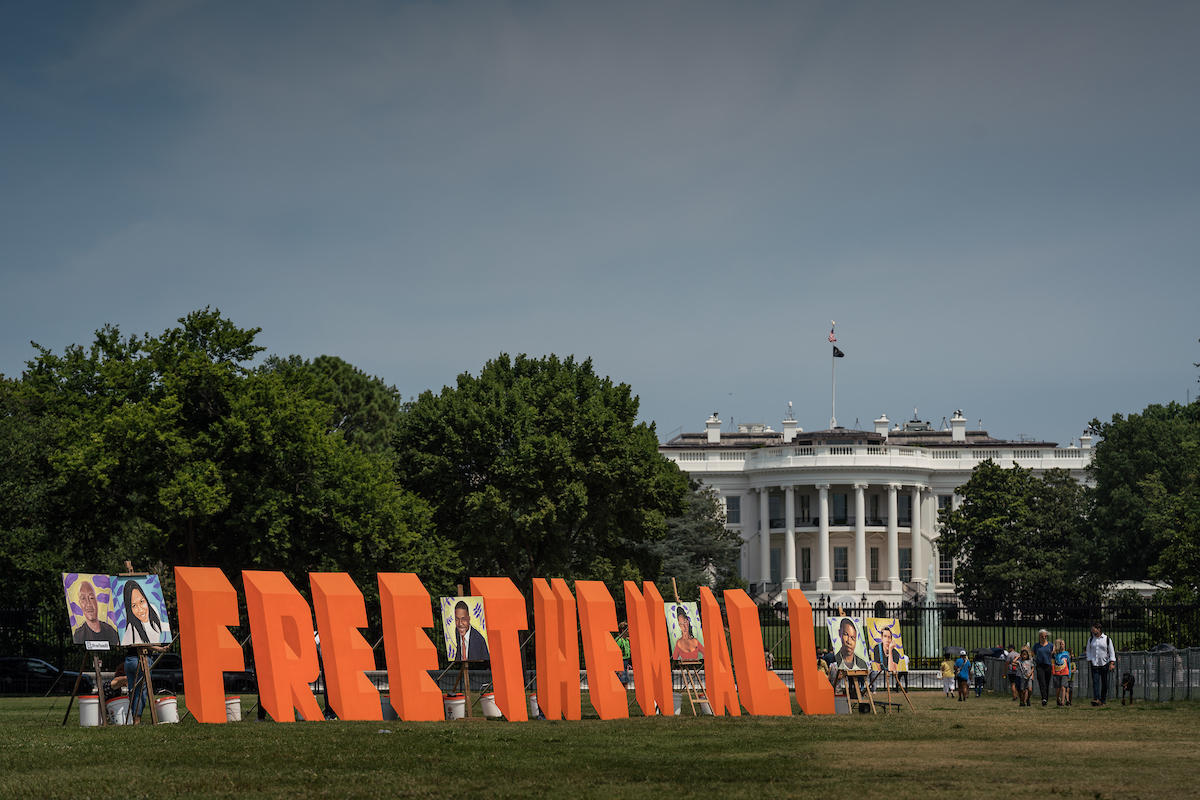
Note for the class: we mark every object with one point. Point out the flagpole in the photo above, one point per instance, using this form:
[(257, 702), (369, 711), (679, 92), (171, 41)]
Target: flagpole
[(833, 383)]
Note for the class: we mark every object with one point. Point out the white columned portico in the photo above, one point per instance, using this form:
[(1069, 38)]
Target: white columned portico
[(893, 540), (918, 554), (789, 537), (861, 584), (764, 536), (823, 582)]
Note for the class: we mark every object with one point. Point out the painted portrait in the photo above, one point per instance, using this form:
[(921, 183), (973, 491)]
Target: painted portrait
[(465, 629), (848, 642), (684, 631), (89, 610), (886, 645), (139, 610)]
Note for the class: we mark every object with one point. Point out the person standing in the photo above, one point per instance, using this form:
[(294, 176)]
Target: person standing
[(979, 671), (947, 670), (1010, 669), (1043, 660), (1102, 659), (962, 674), (1061, 671), (1025, 666)]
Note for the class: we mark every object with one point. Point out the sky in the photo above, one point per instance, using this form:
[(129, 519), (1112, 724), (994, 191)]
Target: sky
[(999, 203)]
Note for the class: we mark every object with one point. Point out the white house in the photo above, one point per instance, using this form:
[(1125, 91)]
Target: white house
[(849, 516)]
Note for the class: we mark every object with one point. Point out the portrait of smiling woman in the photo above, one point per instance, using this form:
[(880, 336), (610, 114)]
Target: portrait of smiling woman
[(145, 619)]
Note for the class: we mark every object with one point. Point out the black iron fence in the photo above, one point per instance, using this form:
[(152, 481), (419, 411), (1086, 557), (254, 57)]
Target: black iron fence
[(925, 632)]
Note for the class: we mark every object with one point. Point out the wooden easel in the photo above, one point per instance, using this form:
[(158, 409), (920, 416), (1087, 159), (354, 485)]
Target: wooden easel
[(464, 679), (142, 651), (861, 686), (693, 684), (99, 687), (890, 678)]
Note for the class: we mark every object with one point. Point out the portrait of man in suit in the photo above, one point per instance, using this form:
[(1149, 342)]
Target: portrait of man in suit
[(464, 640)]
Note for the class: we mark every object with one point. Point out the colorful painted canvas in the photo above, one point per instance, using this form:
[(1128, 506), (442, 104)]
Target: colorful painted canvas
[(89, 610), (848, 642), (140, 613), (886, 645), (465, 629), (684, 631)]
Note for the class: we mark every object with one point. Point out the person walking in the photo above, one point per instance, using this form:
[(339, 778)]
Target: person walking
[(979, 671), (962, 674), (1025, 667), (1061, 671), (1012, 672), (1043, 661), (947, 671), (1102, 659)]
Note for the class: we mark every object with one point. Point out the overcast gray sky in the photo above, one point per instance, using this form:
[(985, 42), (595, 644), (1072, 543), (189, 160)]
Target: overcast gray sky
[(999, 203)]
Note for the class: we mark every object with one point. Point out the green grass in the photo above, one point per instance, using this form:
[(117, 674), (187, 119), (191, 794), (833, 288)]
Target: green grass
[(969, 749)]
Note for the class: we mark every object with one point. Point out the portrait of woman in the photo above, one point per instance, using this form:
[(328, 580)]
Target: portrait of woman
[(687, 646), (143, 622)]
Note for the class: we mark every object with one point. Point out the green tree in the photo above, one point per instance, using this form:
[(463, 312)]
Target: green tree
[(170, 449), (1019, 541), (1145, 472), (537, 467), (365, 409), (698, 549)]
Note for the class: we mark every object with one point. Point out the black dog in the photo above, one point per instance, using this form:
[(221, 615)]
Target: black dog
[(1127, 684)]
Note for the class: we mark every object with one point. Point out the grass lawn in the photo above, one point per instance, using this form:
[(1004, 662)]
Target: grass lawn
[(984, 746)]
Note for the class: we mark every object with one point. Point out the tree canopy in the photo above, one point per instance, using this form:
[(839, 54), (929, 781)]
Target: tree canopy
[(170, 449), (1019, 541), (537, 467), (698, 549), (1146, 471)]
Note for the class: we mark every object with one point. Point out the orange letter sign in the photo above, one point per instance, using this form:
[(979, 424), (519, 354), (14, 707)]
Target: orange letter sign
[(761, 690), (556, 649), (406, 610), (649, 645), (285, 654), (813, 691), (718, 676), (504, 611), (598, 621), (207, 604), (340, 613)]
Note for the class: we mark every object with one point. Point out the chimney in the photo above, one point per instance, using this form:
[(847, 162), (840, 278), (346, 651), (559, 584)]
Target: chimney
[(713, 426), (881, 425), (790, 429), (958, 427), (1085, 441)]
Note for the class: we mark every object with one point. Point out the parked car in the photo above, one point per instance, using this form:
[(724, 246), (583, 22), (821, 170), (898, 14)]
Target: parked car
[(166, 673), (25, 675)]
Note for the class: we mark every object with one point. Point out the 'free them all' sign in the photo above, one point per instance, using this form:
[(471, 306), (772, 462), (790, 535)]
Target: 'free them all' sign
[(285, 655)]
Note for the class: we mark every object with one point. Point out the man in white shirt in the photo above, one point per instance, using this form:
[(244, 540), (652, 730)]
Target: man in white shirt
[(1102, 659)]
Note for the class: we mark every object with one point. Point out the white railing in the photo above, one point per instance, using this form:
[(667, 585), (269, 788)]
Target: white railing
[(877, 456)]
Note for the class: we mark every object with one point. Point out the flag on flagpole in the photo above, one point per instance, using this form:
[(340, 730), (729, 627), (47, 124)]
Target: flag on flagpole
[(832, 325), (838, 353)]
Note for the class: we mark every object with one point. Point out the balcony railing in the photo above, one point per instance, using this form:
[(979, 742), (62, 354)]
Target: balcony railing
[(876, 456)]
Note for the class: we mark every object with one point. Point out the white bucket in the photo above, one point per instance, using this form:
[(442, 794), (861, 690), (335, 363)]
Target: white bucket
[(167, 708), (89, 711), (455, 705), (678, 703), (534, 711), (233, 709), (118, 711), (385, 703), (705, 708), (488, 703)]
